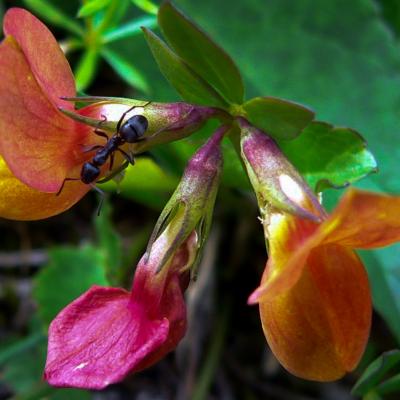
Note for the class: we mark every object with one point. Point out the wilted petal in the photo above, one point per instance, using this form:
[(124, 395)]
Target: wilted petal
[(319, 327), (364, 220)]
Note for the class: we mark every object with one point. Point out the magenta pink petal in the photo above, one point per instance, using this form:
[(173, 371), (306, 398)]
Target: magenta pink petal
[(100, 338)]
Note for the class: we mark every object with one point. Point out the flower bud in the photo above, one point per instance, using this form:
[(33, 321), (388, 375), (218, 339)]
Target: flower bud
[(276, 182), (166, 121), (194, 196)]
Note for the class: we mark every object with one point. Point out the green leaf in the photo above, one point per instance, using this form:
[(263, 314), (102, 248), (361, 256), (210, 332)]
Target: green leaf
[(383, 273), (70, 272), (86, 69), (376, 371), (329, 156), (187, 83), (200, 52), (391, 385), (24, 374), (109, 243), (146, 6), (53, 15), (131, 28), (281, 119), (145, 182), (91, 7), (390, 10), (125, 70)]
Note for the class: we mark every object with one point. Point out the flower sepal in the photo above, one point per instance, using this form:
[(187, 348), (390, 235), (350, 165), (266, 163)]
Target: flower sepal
[(277, 183), (194, 197)]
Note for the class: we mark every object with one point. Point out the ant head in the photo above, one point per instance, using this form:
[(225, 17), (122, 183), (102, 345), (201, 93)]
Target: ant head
[(134, 128)]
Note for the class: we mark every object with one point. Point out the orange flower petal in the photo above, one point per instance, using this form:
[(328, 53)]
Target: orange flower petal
[(364, 220), (319, 327), (43, 55), (20, 202), (39, 144)]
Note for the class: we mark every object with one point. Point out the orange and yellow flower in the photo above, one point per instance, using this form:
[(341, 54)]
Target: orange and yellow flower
[(314, 297)]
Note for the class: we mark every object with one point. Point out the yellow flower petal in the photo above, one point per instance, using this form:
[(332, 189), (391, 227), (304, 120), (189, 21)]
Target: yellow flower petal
[(20, 202)]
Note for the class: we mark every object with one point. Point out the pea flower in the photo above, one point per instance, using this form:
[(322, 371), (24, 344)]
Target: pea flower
[(314, 296), (108, 333), (40, 144)]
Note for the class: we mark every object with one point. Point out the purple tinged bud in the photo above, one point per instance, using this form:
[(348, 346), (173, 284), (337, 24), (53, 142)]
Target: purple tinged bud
[(275, 180), (194, 196), (166, 121)]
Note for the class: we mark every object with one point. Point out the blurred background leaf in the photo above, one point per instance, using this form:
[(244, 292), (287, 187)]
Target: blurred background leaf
[(70, 272), (371, 379)]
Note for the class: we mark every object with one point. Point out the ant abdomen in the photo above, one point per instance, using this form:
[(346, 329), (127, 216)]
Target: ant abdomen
[(133, 129), (89, 172)]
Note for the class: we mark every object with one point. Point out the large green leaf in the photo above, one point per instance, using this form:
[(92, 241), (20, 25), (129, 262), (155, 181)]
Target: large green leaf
[(383, 271), (390, 10), (329, 156), (187, 83), (201, 53), (70, 272), (376, 371), (343, 64), (281, 119)]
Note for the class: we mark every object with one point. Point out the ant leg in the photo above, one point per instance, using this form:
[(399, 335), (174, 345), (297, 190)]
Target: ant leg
[(91, 148), (62, 185), (102, 195), (101, 133), (128, 157), (126, 112)]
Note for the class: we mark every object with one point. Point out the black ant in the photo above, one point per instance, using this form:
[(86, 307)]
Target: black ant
[(131, 131)]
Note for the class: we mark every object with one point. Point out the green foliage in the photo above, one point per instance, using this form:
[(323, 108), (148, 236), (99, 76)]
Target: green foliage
[(281, 119), (128, 29), (390, 10), (91, 7), (126, 70), (382, 267), (109, 244), (145, 182), (24, 370), (70, 272), (201, 53), (146, 5), (187, 83), (50, 13), (100, 18), (86, 69), (370, 384), (329, 156)]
